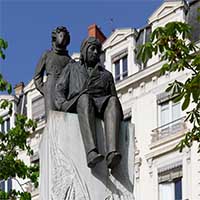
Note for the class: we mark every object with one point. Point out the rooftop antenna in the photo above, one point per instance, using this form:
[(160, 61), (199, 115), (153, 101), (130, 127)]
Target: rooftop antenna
[(111, 21)]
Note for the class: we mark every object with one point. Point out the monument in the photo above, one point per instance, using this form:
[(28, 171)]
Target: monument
[(52, 63), (86, 151), (64, 174), (88, 89)]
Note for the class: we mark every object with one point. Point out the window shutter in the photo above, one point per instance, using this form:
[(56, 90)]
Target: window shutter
[(38, 108), (170, 173), (119, 56)]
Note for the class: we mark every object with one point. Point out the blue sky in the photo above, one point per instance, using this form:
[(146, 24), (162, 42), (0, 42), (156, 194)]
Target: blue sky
[(27, 26)]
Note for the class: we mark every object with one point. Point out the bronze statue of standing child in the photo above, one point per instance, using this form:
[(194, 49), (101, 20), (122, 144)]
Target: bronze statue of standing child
[(52, 63)]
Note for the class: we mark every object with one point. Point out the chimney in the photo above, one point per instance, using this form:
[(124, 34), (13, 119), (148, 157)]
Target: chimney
[(94, 31), (19, 89)]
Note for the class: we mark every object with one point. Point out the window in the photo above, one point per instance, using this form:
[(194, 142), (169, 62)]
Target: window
[(121, 67), (34, 158), (171, 190), (170, 120), (5, 126), (164, 113), (178, 189), (169, 112), (176, 111), (170, 117), (170, 183), (127, 115), (166, 191), (9, 184), (2, 185), (38, 109), (6, 186), (117, 70), (125, 66)]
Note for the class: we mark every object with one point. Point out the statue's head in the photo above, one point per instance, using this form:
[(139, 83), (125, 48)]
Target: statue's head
[(60, 37), (90, 51)]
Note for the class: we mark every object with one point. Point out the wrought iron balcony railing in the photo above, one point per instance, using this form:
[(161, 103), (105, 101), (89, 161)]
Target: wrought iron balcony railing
[(168, 129)]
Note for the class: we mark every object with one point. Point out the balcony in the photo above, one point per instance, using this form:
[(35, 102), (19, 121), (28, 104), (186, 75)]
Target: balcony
[(168, 130)]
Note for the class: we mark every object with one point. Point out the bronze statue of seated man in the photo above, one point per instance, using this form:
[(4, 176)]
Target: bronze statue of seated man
[(87, 88)]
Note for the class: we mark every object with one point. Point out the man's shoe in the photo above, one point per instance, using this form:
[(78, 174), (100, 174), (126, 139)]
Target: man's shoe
[(113, 159), (94, 158)]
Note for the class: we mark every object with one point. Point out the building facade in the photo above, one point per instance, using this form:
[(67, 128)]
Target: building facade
[(161, 171)]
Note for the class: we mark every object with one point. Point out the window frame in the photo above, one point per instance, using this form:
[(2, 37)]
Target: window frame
[(170, 114), (7, 185), (4, 126), (171, 174), (123, 71), (43, 115), (173, 188)]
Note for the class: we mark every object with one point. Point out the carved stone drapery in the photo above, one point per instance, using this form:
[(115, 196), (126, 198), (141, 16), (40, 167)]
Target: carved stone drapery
[(63, 166)]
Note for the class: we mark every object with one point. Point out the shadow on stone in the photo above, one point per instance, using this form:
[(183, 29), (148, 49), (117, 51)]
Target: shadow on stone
[(120, 172), (64, 171)]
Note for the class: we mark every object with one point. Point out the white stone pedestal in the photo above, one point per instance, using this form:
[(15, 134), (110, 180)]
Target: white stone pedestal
[(63, 168)]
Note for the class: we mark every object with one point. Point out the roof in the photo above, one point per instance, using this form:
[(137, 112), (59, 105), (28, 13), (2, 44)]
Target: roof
[(119, 35)]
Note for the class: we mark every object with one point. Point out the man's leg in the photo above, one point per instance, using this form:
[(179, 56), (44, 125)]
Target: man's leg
[(86, 116), (112, 121)]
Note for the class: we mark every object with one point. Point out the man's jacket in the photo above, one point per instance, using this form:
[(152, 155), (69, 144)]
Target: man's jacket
[(75, 81)]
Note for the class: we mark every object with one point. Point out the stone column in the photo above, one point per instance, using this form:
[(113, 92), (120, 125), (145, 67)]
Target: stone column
[(63, 168)]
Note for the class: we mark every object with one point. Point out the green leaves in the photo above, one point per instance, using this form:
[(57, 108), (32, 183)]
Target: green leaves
[(176, 87), (198, 18), (145, 52), (172, 43), (157, 33), (4, 85), (170, 32), (190, 137), (14, 141), (33, 174), (186, 101), (13, 195), (3, 195), (9, 88), (11, 142), (196, 62), (3, 46), (25, 196)]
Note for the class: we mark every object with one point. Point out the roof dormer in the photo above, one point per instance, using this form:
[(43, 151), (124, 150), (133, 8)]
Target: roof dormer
[(119, 53), (118, 36), (168, 10)]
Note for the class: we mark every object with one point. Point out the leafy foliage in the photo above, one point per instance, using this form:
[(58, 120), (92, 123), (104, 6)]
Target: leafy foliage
[(172, 43), (14, 141), (3, 46)]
